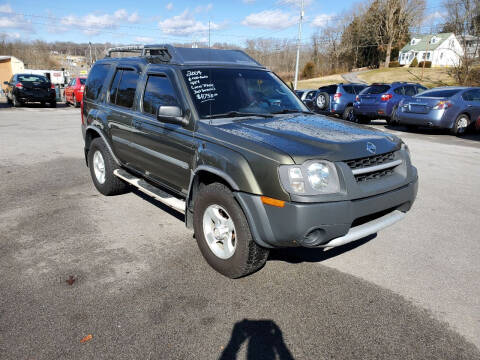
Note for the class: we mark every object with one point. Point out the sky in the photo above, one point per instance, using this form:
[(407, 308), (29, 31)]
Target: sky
[(165, 21)]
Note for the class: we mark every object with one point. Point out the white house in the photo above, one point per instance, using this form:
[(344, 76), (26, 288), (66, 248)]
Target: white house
[(441, 49)]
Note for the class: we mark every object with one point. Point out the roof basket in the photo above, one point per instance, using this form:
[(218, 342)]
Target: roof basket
[(151, 52)]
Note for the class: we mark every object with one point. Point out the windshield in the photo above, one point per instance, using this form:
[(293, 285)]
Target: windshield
[(243, 91), (31, 78), (439, 93), (375, 89)]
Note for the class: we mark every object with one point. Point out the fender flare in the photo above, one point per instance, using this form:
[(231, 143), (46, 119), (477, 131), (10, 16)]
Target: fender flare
[(104, 138)]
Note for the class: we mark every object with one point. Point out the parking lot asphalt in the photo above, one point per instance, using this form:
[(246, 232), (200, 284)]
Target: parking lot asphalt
[(142, 290)]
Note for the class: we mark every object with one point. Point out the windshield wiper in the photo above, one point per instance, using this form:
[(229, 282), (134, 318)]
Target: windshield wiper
[(236, 114), (292, 111)]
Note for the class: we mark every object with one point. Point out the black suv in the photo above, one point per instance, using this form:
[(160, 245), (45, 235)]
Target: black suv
[(217, 136), (24, 88)]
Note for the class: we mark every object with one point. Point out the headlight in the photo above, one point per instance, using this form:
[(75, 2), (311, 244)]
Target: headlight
[(311, 178)]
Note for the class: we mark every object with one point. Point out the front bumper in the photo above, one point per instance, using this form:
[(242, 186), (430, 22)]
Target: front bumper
[(325, 224)]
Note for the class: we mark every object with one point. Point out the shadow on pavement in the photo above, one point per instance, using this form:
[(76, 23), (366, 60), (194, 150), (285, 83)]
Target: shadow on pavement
[(161, 206), (264, 341), (470, 135), (301, 254)]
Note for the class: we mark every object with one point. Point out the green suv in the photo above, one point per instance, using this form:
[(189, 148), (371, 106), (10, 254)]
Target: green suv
[(217, 136)]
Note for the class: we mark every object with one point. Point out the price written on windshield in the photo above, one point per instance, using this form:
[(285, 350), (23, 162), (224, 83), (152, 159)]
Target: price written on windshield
[(202, 88)]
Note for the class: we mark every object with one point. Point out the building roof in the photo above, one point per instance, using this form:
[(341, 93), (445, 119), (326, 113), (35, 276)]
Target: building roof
[(423, 44)]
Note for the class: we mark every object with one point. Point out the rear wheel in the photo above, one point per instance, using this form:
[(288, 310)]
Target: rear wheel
[(393, 119), (15, 101), (348, 114), (223, 234), (461, 124), (102, 165)]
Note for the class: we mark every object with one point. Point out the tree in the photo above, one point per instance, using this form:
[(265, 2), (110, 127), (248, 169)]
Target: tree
[(463, 19), (394, 18)]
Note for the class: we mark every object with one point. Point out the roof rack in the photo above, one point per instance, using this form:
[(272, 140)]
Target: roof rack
[(144, 51), (165, 53)]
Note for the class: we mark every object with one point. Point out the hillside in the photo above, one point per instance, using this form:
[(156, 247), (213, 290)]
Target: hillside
[(431, 78)]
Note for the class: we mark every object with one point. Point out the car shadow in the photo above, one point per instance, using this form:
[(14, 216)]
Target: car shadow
[(264, 341), (302, 254), (160, 205)]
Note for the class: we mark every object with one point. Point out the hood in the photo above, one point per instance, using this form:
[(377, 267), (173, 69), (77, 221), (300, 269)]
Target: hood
[(306, 137)]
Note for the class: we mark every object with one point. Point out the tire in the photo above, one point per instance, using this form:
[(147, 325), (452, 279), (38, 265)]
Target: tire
[(393, 119), (9, 101), (461, 125), (348, 114), (111, 185), (322, 101), (246, 257), (42, 103), (15, 102), (53, 104)]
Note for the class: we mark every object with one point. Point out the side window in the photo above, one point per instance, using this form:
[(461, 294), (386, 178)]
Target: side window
[(126, 88), (420, 89), (122, 90), (410, 91), (158, 92), (399, 91), (471, 95), (114, 86), (95, 80)]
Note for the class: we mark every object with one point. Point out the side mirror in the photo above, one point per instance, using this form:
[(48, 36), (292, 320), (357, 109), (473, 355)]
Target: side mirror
[(6, 83), (172, 115)]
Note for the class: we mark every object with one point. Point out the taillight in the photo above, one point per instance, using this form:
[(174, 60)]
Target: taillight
[(337, 96), (357, 98), (386, 97), (444, 104), (52, 86), (19, 85)]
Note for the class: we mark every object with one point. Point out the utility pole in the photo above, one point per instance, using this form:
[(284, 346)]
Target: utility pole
[(90, 46), (298, 46)]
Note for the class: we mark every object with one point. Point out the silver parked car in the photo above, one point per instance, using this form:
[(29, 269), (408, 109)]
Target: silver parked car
[(454, 108)]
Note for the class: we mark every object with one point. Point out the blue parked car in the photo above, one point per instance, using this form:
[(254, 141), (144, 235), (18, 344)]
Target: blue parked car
[(380, 101), (337, 99), (454, 108)]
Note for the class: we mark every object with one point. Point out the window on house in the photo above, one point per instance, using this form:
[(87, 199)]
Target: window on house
[(428, 55), (441, 55)]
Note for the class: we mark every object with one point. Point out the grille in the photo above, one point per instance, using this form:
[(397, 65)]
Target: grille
[(370, 161), (374, 175)]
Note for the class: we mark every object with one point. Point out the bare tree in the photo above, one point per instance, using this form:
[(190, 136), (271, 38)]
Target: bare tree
[(393, 20)]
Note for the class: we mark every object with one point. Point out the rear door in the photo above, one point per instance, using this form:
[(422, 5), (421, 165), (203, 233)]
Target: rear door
[(167, 149), (120, 112)]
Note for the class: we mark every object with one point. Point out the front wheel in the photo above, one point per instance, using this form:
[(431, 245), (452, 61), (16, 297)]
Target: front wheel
[(223, 234)]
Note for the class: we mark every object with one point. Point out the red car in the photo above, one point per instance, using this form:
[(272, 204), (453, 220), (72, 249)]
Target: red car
[(74, 91)]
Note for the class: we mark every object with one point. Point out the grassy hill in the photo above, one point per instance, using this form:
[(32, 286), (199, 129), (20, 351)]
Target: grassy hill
[(431, 78)]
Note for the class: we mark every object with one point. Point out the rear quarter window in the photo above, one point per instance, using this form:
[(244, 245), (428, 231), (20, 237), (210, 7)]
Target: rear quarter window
[(95, 80)]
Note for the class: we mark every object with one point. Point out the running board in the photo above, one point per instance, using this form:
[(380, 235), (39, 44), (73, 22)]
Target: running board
[(150, 190)]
